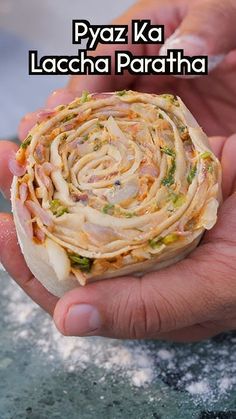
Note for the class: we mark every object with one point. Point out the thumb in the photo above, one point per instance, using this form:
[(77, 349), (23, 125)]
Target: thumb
[(147, 307), (208, 28), (194, 291)]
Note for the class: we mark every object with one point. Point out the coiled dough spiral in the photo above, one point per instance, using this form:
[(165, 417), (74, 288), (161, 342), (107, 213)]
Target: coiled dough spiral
[(112, 184)]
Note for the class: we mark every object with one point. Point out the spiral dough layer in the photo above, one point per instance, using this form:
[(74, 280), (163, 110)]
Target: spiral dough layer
[(112, 184)]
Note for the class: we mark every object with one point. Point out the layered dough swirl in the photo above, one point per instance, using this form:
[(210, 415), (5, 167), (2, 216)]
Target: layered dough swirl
[(112, 184)]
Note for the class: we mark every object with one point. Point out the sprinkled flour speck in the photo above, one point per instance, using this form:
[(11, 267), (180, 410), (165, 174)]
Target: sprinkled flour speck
[(142, 377), (165, 355), (204, 372), (199, 388)]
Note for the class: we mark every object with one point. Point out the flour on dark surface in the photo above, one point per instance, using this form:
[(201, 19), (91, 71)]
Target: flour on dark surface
[(202, 374)]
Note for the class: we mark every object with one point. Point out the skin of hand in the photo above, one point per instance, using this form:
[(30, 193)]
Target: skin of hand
[(191, 300), (195, 298), (200, 27)]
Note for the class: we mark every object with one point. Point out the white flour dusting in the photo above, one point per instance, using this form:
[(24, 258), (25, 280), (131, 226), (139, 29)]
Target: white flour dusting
[(201, 387), (134, 363), (137, 363)]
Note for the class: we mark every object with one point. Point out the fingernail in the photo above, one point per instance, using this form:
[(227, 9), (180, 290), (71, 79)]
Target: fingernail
[(82, 320), (59, 97), (192, 45)]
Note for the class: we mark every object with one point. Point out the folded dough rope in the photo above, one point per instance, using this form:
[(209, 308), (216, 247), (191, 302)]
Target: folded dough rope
[(112, 184)]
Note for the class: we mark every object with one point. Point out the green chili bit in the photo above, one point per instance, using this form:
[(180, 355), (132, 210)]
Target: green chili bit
[(192, 174), (169, 179), (58, 208), (85, 96), (69, 117), (155, 243), (177, 199), (210, 168), (182, 128), (205, 155), (172, 98), (108, 209), (159, 241), (169, 151), (26, 142), (121, 92), (80, 262), (130, 214), (170, 238)]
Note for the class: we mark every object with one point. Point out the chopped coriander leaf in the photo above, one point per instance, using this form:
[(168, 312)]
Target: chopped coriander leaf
[(86, 137), (169, 151), (173, 99), (160, 116), (130, 214), (57, 208), (182, 128), (26, 142), (121, 92), (80, 262), (205, 155), (99, 125), (69, 117), (158, 241), (155, 243), (108, 209), (192, 174), (84, 97), (169, 179)]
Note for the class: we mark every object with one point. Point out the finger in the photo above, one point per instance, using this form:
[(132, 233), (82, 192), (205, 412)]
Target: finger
[(7, 150), (217, 144), (228, 166), (13, 261), (164, 12), (161, 302), (60, 97), (26, 123), (196, 35), (226, 222), (199, 331)]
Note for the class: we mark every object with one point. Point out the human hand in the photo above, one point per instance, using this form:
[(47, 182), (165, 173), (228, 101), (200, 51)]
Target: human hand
[(191, 300), (222, 98), (204, 27)]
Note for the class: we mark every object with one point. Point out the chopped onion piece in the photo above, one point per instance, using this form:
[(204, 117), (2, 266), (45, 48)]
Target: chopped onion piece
[(16, 168), (25, 218), (39, 212), (58, 259)]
